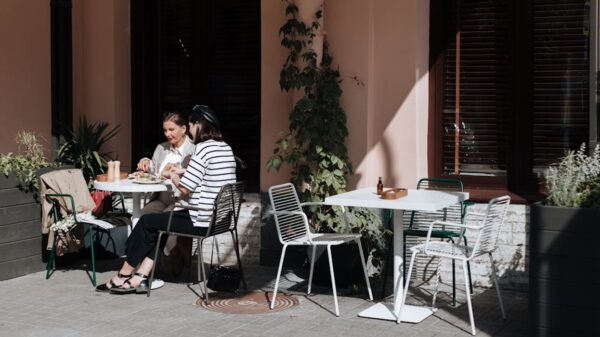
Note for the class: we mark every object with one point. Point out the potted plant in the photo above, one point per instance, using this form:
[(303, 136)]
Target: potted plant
[(81, 147), (314, 145), (564, 257), (20, 238)]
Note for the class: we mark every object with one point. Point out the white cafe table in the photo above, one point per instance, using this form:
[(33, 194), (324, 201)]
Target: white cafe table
[(416, 200), (136, 190)]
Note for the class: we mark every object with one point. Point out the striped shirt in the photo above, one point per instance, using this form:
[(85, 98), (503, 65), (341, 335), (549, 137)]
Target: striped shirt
[(211, 167)]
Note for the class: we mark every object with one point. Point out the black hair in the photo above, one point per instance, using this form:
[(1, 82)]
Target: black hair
[(207, 130)]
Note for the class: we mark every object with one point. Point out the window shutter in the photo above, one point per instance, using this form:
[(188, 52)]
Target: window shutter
[(482, 86), (560, 79)]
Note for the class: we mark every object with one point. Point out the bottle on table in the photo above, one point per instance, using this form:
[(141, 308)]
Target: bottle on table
[(110, 176), (117, 171), (379, 187)]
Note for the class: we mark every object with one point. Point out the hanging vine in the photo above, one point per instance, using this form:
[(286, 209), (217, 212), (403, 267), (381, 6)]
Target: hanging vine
[(314, 145)]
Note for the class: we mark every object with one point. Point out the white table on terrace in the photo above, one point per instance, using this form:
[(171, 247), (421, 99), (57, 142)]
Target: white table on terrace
[(136, 190), (416, 200)]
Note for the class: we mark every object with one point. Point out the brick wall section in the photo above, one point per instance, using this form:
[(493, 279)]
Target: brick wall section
[(248, 232)]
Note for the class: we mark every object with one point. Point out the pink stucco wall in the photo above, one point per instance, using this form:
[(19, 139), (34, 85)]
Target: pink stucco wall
[(101, 69), (384, 44), (24, 70)]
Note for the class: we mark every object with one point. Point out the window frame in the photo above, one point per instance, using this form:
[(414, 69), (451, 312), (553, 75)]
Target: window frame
[(519, 181)]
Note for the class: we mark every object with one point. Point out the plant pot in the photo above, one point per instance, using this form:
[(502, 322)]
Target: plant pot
[(564, 276), (20, 231)]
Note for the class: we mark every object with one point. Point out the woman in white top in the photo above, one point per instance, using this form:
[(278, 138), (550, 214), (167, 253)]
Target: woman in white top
[(211, 167), (176, 151)]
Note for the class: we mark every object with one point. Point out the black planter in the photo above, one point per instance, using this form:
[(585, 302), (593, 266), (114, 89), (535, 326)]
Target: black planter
[(564, 277), (20, 231)]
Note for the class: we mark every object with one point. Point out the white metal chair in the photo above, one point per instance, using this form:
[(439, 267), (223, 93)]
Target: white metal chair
[(487, 230), (293, 230)]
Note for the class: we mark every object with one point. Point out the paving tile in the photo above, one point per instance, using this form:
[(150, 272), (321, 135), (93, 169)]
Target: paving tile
[(67, 305)]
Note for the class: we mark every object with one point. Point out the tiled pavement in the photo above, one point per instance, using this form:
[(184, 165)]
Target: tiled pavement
[(67, 305)]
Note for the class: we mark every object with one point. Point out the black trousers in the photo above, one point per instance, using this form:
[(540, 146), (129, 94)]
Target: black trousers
[(142, 241)]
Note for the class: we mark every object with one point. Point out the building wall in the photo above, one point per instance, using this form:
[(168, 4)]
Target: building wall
[(101, 69), (384, 65), (24, 70)]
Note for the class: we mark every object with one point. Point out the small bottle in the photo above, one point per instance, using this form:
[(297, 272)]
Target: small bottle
[(379, 187), (110, 176), (117, 171)]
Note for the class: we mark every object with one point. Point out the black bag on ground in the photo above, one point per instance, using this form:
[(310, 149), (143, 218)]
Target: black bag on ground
[(224, 278)]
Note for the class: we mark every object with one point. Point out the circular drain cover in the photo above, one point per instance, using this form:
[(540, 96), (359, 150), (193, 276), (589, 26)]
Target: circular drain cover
[(256, 302)]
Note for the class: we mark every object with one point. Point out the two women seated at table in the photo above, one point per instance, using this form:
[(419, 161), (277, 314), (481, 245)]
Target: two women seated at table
[(211, 166)]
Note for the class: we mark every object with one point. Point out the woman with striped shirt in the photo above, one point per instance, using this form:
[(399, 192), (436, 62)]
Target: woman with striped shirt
[(212, 166)]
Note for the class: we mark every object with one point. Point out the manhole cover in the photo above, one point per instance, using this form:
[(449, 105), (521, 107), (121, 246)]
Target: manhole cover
[(256, 302)]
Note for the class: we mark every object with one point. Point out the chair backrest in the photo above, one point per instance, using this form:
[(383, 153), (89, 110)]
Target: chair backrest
[(227, 205), (495, 216), (454, 213), (290, 227)]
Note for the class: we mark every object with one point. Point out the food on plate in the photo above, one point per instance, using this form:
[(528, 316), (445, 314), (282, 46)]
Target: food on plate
[(146, 178)]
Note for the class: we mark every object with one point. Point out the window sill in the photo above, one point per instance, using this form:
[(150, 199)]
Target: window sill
[(517, 197)]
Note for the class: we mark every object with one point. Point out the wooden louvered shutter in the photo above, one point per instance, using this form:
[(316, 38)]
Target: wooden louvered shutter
[(477, 102), (560, 75)]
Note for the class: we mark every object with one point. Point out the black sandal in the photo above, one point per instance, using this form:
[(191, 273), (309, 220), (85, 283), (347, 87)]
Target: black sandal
[(104, 289), (142, 288)]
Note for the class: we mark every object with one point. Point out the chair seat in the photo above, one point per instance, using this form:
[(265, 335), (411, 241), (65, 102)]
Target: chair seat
[(326, 239), (446, 249), (434, 233)]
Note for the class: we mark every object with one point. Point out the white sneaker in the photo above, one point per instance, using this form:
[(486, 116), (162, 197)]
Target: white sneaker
[(157, 283)]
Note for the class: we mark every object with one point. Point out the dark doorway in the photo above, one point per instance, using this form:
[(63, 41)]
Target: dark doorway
[(187, 52)]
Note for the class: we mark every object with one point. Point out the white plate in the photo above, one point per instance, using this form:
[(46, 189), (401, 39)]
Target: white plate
[(148, 182)]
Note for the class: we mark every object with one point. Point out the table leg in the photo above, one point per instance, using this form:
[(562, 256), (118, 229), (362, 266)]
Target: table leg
[(389, 311), (135, 212)]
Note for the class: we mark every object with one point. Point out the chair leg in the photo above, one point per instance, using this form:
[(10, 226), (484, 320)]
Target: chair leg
[(278, 275), (469, 304), (495, 277), (405, 293), (312, 268), (92, 231), (404, 254), (454, 280), (50, 264), (335, 300), (154, 264), (203, 271), (236, 245), (364, 265), (437, 282), (469, 269)]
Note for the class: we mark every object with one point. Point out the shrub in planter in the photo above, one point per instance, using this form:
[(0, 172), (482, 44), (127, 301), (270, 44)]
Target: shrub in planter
[(564, 279)]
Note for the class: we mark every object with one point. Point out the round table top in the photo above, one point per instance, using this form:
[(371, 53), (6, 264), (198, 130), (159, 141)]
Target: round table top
[(128, 185)]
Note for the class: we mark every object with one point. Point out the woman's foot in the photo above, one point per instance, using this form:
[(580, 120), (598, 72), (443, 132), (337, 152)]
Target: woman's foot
[(116, 281), (136, 284)]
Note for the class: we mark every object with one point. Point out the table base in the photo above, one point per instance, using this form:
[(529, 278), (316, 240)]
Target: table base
[(410, 313)]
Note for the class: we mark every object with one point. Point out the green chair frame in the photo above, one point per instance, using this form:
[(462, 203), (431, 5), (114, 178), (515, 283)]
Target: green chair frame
[(419, 222), (50, 265)]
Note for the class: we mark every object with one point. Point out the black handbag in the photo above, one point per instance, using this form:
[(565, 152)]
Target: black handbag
[(223, 278)]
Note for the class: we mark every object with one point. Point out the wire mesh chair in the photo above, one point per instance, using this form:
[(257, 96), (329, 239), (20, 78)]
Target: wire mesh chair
[(224, 220), (487, 231), (418, 222), (293, 230)]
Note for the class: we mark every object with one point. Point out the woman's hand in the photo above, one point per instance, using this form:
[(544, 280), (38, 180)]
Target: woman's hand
[(175, 179), (144, 165)]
